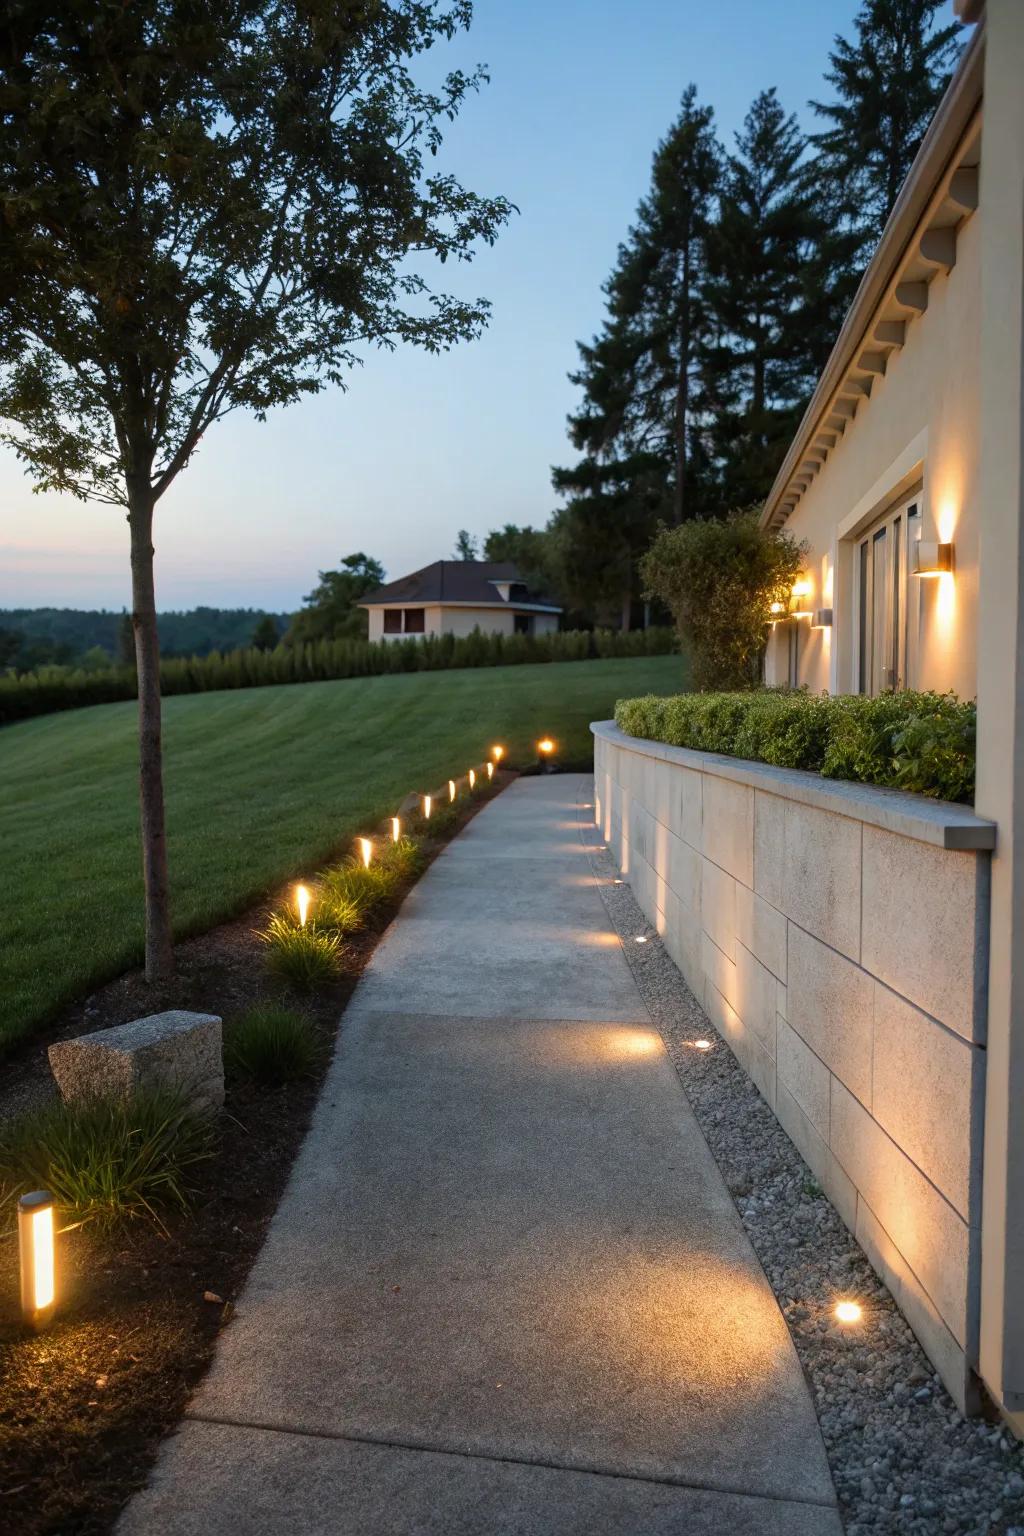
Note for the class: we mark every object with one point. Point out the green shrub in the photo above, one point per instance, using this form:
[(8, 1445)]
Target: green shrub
[(719, 578), (923, 742), (270, 1044), (55, 688), (305, 957), (404, 858), (107, 1160)]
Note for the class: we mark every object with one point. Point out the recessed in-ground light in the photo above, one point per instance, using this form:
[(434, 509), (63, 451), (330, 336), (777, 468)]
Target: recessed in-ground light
[(702, 1045), (847, 1312), (617, 882), (640, 939)]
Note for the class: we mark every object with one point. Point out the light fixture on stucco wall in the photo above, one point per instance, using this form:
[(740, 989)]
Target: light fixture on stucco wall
[(932, 559), (822, 618)]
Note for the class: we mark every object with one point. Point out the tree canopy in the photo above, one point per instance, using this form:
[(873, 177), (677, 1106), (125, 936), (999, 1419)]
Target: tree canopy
[(330, 611)]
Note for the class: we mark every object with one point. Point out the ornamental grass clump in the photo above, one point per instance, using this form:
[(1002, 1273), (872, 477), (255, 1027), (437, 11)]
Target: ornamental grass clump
[(270, 1045), (307, 958), (108, 1160), (920, 742)]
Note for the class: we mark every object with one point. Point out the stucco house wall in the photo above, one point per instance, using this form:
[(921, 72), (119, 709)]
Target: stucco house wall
[(920, 427)]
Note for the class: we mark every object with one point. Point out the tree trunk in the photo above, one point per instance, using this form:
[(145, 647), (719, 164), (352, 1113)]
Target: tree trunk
[(159, 949)]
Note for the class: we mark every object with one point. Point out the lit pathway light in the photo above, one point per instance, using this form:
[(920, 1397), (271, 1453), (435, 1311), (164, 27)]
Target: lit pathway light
[(702, 1045), (641, 938), (427, 802), (545, 746), (366, 850), (497, 753), (38, 1258), (396, 829), (451, 789), (472, 778), (302, 900), (490, 770), (848, 1312)]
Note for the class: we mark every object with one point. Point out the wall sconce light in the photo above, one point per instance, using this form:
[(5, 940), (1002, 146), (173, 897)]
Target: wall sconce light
[(36, 1245), (302, 904), (366, 851), (427, 803), (822, 618), (777, 608), (490, 770), (799, 593), (932, 559), (451, 790)]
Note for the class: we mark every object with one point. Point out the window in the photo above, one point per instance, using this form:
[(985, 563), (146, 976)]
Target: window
[(414, 620), (392, 621), (884, 637), (523, 623)]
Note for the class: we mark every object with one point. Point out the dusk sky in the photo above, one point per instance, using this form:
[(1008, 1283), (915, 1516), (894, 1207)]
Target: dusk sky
[(419, 446)]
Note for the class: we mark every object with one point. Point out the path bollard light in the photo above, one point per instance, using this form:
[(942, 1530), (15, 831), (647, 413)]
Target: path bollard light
[(497, 753), (366, 851), (545, 746), (848, 1312), (490, 770), (427, 802), (396, 829), (38, 1258), (451, 790), (472, 778), (302, 904)]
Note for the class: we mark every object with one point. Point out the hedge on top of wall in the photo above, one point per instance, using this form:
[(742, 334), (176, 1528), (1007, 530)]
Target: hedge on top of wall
[(922, 742), (55, 688)]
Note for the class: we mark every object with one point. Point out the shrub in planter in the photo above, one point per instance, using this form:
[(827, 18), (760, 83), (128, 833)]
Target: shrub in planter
[(923, 742)]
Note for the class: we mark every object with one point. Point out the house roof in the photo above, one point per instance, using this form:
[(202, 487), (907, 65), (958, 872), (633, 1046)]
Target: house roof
[(465, 583), (919, 240)]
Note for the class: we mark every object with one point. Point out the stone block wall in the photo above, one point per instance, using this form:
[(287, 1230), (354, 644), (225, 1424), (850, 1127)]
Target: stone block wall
[(836, 935)]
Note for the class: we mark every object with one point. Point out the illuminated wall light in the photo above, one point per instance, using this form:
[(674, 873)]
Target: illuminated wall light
[(451, 789), (427, 803), (472, 778), (777, 608), (497, 753), (37, 1246), (800, 591), (302, 901), (490, 770), (396, 829), (848, 1312), (932, 559)]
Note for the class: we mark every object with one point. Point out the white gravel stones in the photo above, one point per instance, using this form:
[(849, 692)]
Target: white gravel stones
[(902, 1457)]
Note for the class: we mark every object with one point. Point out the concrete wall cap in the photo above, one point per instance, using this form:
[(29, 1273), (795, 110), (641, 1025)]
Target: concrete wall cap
[(938, 822)]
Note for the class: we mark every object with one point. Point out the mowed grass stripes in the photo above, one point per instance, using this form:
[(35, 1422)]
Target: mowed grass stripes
[(261, 785)]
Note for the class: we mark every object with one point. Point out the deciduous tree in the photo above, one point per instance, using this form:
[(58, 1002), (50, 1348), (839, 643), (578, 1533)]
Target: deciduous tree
[(331, 610), (208, 208)]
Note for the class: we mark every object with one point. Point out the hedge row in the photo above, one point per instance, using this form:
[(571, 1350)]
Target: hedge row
[(923, 742), (55, 688)]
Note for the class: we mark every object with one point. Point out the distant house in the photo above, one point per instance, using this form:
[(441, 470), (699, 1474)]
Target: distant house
[(455, 597)]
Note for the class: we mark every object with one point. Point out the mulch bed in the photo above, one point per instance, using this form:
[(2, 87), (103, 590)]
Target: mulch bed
[(84, 1406)]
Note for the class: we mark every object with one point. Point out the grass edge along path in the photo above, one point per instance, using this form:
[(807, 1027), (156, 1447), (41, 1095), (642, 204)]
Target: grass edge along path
[(261, 784)]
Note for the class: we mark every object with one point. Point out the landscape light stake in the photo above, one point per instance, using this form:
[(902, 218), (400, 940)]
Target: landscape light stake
[(38, 1259), (546, 753), (472, 778), (490, 770), (302, 903), (451, 789), (396, 829), (366, 850), (497, 753), (427, 802)]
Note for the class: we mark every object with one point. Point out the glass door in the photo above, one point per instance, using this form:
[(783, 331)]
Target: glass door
[(882, 565)]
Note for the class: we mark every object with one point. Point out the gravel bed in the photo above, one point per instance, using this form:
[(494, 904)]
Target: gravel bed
[(902, 1456)]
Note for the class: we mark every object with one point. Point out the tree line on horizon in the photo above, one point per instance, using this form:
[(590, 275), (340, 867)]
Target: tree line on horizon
[(723, 305)]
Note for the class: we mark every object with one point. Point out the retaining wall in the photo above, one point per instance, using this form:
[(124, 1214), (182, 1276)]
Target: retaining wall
[(836, 935)]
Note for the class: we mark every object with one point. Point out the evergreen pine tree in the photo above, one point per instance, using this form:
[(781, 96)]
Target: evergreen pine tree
[(772, 274), (888, 82)]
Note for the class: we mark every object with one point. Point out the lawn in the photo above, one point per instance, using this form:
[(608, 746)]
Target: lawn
[(262, 784)]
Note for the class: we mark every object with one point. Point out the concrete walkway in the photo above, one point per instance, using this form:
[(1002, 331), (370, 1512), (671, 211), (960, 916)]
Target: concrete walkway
[(506, 1290)]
